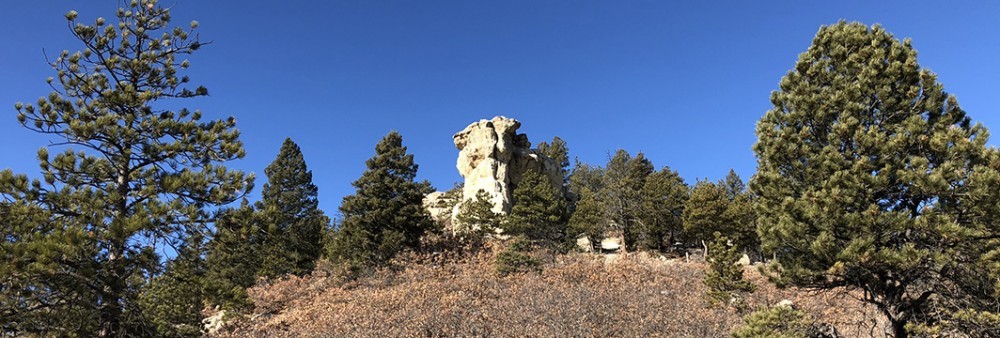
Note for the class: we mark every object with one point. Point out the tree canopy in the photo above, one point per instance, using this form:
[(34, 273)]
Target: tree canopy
[(386, 213), (871, 176), (131, 176)]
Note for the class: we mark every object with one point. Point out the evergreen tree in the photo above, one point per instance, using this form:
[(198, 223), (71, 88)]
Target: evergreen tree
[(539, 211), (587, 211), (589, 219), (290, 212), (477, 215), (623, 181), (234, 258), (777, 322), (663, 196), (739, 213), (559, 153), (734, 185), (133, 174), (724, 275), (725, 207), (386, 214), (872, 177), (705, 213), (171, 303)]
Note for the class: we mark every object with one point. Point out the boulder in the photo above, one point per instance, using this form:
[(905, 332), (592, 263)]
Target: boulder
[(213, 323), (744, 261), (439, 204)]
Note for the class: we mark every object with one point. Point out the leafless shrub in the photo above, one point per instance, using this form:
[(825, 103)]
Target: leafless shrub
[(446, 293)]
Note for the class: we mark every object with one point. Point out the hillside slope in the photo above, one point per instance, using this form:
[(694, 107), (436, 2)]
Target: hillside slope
[(580, 295)]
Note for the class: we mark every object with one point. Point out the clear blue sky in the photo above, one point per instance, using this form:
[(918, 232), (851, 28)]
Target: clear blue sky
[(683, 82)]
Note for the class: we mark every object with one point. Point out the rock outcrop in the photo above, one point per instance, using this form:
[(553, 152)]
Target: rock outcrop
[(493, 157)]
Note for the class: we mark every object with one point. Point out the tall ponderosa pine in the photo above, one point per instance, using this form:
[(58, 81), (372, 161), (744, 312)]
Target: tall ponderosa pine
[(290, 216), (133, 176), (587, 212), (705, 213), (724, 207), (872, 177), (663, 196), (386, 214), (624, 178), (539, 211)]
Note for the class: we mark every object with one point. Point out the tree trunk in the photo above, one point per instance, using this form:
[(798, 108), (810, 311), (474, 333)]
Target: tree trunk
[(899, 328), (111, 309)]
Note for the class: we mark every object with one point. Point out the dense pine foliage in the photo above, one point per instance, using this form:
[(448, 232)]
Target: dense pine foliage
[(386, 213), (124, 178), (871, 176), (290, 216)]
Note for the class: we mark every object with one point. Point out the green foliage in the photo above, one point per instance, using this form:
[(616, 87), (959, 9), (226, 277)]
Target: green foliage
[(386, 213), (705, 212), (234, 258), (291, 217), (133, 175), (624, 178), (627, 197), (776, 322), (516, 257), (589, 219), (587, 212), (172, 302), (871, 176), (723, 207), (559, 153), (539, 211), (476, 216), (663, 197), (724, 276)]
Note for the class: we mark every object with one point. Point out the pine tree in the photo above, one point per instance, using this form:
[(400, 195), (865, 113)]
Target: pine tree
[(724, 275), (624, 178), (733, 184), (663, 196), (739, 214), (386, 214), (134, 175), (777, 322), (171, 303), (290, 212), (477, 215), (559, 153), (872, 177), (587, 211), (725, 207), (589, 219), (705, 213), (539, 211), (233, 259)]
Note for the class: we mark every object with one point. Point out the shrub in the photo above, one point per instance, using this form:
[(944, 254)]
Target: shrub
[(778, 321), (516, 257)]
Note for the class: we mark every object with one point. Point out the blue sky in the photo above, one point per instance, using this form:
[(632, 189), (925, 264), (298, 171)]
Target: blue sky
[(683, 82)]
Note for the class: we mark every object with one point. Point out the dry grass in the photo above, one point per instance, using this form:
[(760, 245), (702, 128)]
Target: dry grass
[(578, 295)]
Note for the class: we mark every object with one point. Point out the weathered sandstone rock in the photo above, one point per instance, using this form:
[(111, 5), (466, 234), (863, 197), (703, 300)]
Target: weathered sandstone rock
[(493, 157)]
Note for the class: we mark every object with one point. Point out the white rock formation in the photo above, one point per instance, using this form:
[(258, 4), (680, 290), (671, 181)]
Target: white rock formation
[(439, 204), (215, 322), (493, 157)]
